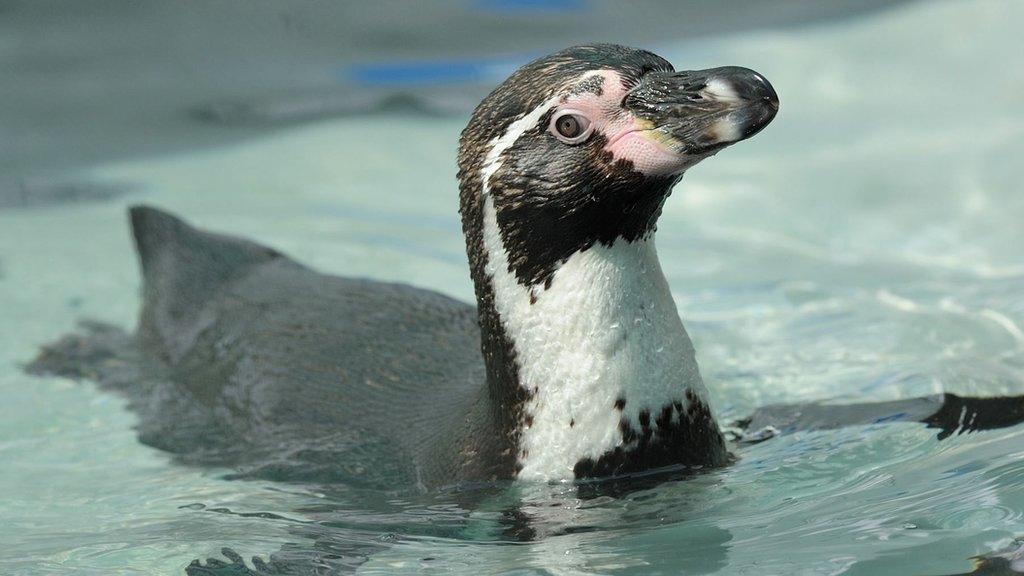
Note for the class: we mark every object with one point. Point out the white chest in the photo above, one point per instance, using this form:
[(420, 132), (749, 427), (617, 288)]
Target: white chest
[(606, 329)]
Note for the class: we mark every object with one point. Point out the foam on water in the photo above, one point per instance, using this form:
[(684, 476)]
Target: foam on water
[(865, 246)]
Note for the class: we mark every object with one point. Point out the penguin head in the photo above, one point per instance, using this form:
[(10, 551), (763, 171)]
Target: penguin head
[(584, 145)]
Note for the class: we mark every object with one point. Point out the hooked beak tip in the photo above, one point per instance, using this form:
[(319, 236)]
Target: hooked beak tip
[(703, 111), (750, 99)]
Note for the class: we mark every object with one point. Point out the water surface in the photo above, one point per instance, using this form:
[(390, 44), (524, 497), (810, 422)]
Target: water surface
[(867, 246)]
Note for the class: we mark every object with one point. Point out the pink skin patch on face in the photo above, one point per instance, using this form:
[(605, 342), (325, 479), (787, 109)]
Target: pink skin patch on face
[(628, 137)]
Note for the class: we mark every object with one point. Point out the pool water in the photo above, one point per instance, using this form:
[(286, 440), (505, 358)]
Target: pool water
[(866, 246)]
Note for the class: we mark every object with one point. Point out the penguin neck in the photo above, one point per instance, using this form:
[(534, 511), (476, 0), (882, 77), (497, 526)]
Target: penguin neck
[(591, 360)]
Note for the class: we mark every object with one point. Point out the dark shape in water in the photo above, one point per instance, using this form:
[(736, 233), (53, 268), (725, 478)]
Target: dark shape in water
[(949, 413), (1007, 561)]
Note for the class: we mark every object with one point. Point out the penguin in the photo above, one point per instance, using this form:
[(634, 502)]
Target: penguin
[(572, 364)]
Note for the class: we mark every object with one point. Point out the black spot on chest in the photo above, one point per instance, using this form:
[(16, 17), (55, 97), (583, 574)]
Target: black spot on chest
[(675, 437)]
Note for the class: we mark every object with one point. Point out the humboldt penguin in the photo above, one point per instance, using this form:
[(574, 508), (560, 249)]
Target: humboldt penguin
[(574, 362)]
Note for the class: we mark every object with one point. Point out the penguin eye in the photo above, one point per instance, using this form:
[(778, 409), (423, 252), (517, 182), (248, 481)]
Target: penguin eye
[(571, 126)]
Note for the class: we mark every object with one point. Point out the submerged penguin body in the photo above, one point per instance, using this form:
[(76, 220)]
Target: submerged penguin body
[(272, 357), (274, 351), (573, 364)]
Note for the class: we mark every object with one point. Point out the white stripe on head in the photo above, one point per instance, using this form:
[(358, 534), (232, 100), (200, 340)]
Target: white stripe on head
[(502, 143)]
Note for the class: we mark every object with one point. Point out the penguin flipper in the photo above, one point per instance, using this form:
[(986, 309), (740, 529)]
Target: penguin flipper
[(949, 413)]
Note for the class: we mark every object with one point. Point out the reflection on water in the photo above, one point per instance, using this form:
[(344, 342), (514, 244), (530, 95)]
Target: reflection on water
[(866, 247)]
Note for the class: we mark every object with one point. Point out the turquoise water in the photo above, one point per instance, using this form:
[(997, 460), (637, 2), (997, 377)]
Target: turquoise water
[(867, 245)]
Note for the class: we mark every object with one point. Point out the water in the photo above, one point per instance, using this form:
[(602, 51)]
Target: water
[(866, 246)]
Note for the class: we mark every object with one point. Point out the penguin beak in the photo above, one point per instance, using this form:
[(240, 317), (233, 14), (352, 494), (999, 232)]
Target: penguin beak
[(699, 112)]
